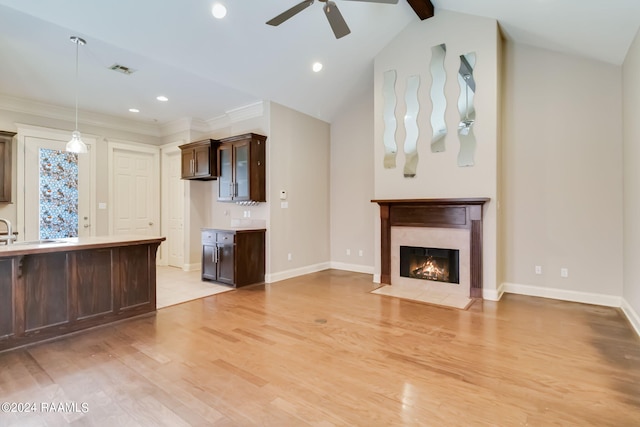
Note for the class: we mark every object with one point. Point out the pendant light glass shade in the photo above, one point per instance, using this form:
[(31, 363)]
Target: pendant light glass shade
[(75, 145)]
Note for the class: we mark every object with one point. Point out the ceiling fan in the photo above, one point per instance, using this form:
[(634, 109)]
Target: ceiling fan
[(337, 22)]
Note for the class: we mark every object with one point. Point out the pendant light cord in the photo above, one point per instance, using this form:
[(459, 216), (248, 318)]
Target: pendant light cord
[(77, 42)]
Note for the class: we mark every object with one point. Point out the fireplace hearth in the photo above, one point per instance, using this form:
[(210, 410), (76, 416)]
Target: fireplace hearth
[(435, 264)]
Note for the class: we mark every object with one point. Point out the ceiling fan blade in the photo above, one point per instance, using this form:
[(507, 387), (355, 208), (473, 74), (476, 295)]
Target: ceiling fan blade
[(290, 13), (378, 1), (338, 25)]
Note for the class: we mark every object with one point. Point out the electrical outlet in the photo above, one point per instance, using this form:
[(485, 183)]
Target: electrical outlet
[(564, 272), (360, 252), (538, 269), (348, 251), (289, 257)]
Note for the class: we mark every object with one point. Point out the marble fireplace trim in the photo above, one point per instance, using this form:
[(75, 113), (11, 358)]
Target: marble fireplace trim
[(444, 238)]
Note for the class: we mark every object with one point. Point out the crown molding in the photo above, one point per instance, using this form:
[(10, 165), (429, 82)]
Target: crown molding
[(237, 115), (50, 111), (56, 112), (183, 124), (247, 112)]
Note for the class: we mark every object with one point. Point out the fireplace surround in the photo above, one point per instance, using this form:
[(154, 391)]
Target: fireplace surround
[(460, 213)]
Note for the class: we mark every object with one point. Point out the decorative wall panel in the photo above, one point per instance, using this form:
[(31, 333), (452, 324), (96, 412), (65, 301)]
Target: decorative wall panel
[(58, 194)]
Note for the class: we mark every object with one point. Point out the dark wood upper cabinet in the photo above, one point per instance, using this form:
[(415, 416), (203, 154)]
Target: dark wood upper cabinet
[(241, 164), (6, 139), (199, 160)]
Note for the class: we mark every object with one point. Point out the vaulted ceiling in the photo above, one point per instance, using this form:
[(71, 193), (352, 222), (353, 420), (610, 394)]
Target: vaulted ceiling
[(208, 67)]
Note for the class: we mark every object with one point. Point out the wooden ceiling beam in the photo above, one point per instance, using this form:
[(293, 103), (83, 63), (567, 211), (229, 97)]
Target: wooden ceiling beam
[(422, 8)]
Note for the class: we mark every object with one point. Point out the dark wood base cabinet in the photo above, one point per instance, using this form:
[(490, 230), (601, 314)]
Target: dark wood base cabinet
[(233, 257), (44, 295)]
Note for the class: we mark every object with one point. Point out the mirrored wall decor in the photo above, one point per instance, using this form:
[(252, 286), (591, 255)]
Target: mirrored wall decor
[(467, 110), (438, 99), (411, 126), (389, 119)]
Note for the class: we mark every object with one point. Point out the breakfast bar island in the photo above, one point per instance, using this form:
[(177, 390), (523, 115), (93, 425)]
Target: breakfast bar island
[(50, 288)]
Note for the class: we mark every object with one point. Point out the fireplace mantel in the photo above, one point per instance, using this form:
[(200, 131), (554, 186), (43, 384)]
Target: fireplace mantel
[(463, 213)]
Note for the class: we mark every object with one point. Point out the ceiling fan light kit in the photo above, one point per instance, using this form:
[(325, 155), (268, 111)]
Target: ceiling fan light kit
[(331, 11)]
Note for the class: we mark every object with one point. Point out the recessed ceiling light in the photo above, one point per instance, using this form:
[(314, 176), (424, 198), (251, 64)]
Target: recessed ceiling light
[(316, 67), (162, 98), (219, 11), (134, 110)]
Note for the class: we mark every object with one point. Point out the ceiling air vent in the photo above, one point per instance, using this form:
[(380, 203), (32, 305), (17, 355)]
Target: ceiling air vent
[(122, 69)]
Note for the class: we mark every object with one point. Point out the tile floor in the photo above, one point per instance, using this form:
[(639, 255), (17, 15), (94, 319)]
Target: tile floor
[(175, 286), (426, 294)]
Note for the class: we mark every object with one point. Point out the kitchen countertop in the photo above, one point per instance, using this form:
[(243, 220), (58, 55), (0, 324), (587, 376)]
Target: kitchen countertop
[(235, 228), (74, 244)]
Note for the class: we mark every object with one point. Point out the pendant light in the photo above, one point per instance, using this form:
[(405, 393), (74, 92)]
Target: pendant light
[(75, 145)]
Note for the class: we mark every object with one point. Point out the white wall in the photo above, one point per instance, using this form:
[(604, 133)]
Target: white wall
[(562, 175), (352, 213), (8, 120), (299, 163), (438, 175), (631, 135)]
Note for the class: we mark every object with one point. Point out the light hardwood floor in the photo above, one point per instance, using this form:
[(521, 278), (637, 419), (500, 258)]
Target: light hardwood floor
[(320, 350)]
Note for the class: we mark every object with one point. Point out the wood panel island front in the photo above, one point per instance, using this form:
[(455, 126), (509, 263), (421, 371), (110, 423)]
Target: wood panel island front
[(52, 288)]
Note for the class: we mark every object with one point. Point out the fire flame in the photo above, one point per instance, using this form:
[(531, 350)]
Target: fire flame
[(429, 269)]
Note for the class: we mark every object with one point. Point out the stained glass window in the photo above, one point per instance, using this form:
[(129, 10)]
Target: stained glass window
[(58, 194)]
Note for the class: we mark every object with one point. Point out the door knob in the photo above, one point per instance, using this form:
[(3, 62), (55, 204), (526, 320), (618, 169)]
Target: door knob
[(150, 223)]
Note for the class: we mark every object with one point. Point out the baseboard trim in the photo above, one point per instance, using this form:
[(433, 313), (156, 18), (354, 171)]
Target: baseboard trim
[(632, 315), (191, 267), (376, 278), (563, 294), (295, 272), (356, 268), (493, 294)]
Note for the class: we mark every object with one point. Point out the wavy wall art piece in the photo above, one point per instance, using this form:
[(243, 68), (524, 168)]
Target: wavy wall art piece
[(390, 124), (438, 98), (467, 110), (411, 126)]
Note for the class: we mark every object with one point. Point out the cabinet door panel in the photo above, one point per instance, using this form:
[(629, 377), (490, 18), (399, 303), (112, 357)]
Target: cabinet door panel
[(241, 163), (225, 181), (46, 290), (187, 163), (208, 262), (134, 276), (6, 139), (202, 157), (6, 298), (226, 264), (94, 283)]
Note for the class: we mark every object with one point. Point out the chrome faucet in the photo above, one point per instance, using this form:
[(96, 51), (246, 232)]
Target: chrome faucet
[(10, 237)]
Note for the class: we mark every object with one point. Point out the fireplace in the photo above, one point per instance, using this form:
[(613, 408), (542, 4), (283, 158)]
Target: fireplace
[(434, 264), (436, 222)]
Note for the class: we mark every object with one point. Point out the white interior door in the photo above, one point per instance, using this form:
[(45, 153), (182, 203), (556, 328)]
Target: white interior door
[(57, 190), (134, 190), (175, 210)]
